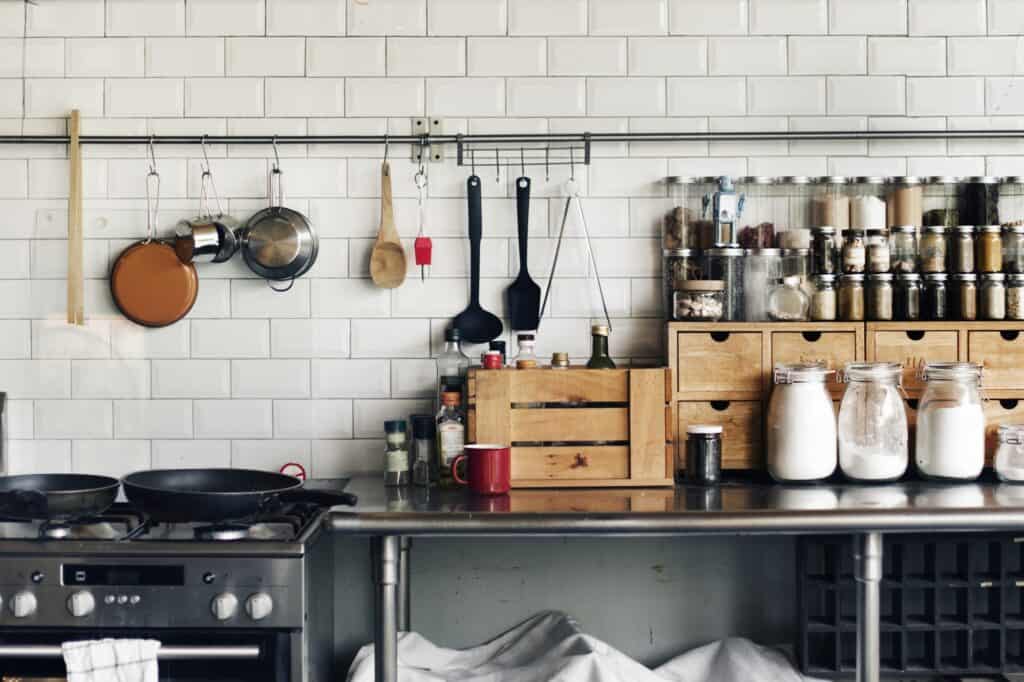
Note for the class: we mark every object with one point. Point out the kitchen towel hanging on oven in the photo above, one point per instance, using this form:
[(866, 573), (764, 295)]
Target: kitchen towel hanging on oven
[(112, 660)]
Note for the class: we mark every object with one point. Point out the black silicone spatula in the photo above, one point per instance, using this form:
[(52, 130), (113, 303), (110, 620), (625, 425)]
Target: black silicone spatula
[(523, 294), (475, 324)]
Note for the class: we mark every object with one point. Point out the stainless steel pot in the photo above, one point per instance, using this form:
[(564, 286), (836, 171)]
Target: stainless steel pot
[(206, 239)]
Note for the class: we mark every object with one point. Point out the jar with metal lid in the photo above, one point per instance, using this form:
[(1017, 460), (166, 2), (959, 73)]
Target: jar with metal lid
[(873, 430), (907, 297), (396, 453), (903, 249), (726, 264), (824, 299), (797, 263), (787, 302), (831, 202), (979, 201), (851, 298), (854, 252), (761, 269), (940, 201), (935, 297), (699, 300), (1011, 200), (760, 212), (992, 296), (962, 249), (905, 201), (703, 453), (1013, 249), (678, 266), (825, 251), (934, 249), (679, 226), (559, 360), (964, 297), (867, 206), (1015, 297), (704, 189), (988, 247), (878, 256), (796, 190), (879, 297), (801, 424), (1009, 459), (951, 422)]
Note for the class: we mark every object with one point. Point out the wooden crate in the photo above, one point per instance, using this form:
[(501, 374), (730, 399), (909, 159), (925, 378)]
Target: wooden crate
[(576, 427)]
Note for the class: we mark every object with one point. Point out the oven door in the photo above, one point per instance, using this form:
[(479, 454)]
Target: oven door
[(185, 655)]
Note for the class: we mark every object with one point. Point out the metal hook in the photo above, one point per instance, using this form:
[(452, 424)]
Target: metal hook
[(423, 145), (206, 157), (277, 157), (497, 166), (522, 161), (152, 156), (472, 161), (386, 146), (547, 164), (572, 165)]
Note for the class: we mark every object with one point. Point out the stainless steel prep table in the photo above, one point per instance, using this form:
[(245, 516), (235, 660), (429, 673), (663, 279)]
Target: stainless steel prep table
[(735, 507)]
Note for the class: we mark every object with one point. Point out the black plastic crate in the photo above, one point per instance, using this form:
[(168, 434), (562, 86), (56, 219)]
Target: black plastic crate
[(951, 604)]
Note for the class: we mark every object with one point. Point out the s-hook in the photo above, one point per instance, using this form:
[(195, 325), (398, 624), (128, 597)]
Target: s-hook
[(152, 193)]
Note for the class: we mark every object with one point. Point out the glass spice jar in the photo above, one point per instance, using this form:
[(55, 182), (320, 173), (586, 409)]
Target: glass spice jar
[(1013, 249), (962, 243), (964, 297), (989, 249), (934, 249), (851, 298), (823, 300), (824, 251), (879, 297), (992, 296), (1015, 297), (877, 251), (907, 297), (678, 266), (935, 297), (854, 252), (903, 250)]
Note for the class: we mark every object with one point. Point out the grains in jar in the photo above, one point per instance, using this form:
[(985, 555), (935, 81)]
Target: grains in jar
[(935, 297), (964, 297), (1015, 297), (905, 201), (854, 253), (678, 266), (988, 247), (1013, 249), (992, 296), (824, 251), (934, 249), (823, 300), (962, 249), (903, 249), (879, 297), (851, 298), (877, 252), (907, 297)]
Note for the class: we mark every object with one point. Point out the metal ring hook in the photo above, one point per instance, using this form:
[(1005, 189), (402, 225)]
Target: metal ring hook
[(572, 165), (206, 157), (152, 156), (497, 166), (277, 157), (472, 161), (522, 161), (386, 146), (547, 164)]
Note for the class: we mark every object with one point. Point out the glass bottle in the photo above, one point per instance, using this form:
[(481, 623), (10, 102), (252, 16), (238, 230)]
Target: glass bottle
[(873, 423), (951, 422), (452, 365), (935, 298), (787, 302), (801, 424), (879, 297), (527, 356), (761, 269), (851, 298), (964, 295), (599, 358), (907, 297), (396, 453), (824, 251), (424, 457), (854, 252), (904, 249), (934, 249), (824, 300), (992, 296), (1015, 297), (451, 436), (1009, 459), (1013, 249), (962, 260), (989, 249)]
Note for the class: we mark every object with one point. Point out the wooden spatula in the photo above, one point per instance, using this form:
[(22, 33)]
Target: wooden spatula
[(387, 260)]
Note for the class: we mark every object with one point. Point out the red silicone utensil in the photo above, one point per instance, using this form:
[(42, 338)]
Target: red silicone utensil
[(423, 248)]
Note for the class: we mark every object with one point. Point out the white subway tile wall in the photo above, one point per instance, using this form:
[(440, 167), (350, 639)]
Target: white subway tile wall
[(257, 378)]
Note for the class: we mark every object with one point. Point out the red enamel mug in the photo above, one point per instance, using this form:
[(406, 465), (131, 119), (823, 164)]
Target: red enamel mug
[(488, 467)]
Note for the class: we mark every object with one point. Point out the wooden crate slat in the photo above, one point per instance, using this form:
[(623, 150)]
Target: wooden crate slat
[(646, 425), (572, 386), (581, 461), (493, 409), (584, 424)]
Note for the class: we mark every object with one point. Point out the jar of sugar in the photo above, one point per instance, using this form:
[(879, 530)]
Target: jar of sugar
[(801, 424), (1009, 459), (873, 423), (951, 422)]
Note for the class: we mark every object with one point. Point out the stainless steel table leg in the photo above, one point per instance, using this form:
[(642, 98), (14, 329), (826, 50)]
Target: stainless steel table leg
[(867, 562), (385, 650), (403, 583)]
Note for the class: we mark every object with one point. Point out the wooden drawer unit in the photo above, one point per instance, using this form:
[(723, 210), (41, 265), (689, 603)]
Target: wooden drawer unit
[(742, 430), (911, 345), (725, 363), (835, 349), (1001, 353)]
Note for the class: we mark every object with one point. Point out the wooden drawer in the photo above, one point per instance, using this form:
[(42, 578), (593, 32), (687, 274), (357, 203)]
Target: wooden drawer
[(912, 349), (1002, 355), (1006, 411), (742, 440), (720, 365), (835, 349)]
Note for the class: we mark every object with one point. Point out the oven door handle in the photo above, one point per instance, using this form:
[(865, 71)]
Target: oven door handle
[(166, 653)]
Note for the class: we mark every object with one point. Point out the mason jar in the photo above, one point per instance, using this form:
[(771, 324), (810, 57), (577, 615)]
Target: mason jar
[(903, 249), (825, 250), (851, 298), (907, 297), (934, 249), (824, 300), (879, 258), (879, 297), (951, 422), (988, 247), (873, 423), (801, 424), (964, 297), (962, 242), (992, 296), (1009, 458), (854, 252), (1013, 249)]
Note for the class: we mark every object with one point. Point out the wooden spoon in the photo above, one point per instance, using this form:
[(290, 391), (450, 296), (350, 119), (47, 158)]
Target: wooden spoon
[(387, 260)]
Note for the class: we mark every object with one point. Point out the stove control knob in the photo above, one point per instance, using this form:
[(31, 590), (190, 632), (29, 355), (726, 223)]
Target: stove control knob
[(224, 606), (81, 604), (23, 604), (259, 605)]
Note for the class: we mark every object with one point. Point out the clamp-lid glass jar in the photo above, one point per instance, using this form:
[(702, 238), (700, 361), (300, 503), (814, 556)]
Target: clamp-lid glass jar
[(873, 423), (951, 422), (699, 300), (832, 202), (1009, 459), (801, 424)]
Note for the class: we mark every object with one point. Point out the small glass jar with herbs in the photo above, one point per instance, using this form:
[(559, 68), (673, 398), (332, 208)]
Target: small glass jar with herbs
[(964, 297), (903, 249), (1013, 249), (988, 247), (824, 300), (963, 248), (907, 297), (879, 297), (851, 298), (935, 297), (1015, 297), (992, 296), (934, 249)]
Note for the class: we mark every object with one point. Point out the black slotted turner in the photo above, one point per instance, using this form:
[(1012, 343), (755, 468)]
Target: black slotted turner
[(474, 323), (523, 295)]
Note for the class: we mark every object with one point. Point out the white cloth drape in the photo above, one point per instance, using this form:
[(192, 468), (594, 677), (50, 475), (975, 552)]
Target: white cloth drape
[(111, 660)]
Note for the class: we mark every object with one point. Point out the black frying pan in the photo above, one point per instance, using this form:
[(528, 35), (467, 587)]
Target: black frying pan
[(219, 494), (56, 496)]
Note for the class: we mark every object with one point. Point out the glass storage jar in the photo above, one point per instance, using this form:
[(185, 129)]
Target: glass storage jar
[(935, 297), (1011, 200), (706, 187), (824, 300), (873, 423), (1013, 249), (905, 201), (801, 424), (787, 302), (699, 300), (903, 250), (797, 263), (1015, 297), (678, 266), (992, 296), (759, 215), (831, 202), (988, 247), (679, 227), (907, 297), (979, 201), (851, 298), (795, 202), (1009, 459), (940, 201), (878, 256), (964, 297), (962, 249), (825, 251), (879, 297), (867, 206), (854, 252), (726, 264), (951, 422), (934, 249), (761, 269)]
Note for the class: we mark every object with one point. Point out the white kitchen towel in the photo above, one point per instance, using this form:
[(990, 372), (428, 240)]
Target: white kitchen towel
[(111, 660), (550, 647)]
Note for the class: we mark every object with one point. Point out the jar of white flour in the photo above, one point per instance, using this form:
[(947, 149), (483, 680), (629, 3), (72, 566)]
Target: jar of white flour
[(801, 424), (951, 422)]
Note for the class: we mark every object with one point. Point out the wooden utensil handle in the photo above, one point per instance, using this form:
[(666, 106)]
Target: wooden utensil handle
[(388, 231), (76, 306)]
